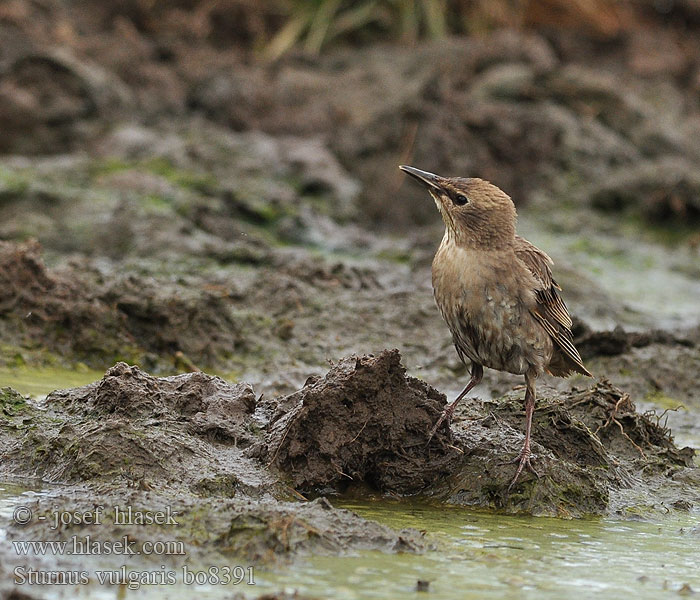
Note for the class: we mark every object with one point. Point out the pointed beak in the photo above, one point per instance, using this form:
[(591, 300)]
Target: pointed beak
[(428, 179)]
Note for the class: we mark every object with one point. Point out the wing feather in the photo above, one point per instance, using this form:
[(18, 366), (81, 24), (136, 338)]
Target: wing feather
[(550, 312)]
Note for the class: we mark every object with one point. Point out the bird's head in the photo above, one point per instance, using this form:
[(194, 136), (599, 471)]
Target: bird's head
[(476, 213)]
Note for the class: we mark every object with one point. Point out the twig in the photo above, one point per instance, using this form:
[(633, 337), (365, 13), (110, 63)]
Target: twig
[(344, 474), (624, 433), (613, 419), (359, 432), (284, 436)]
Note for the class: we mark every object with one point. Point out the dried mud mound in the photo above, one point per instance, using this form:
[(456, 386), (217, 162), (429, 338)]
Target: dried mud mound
[(367, 422), (183, 443)]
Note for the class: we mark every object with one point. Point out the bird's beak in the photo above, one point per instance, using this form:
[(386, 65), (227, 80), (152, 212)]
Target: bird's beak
[(429, 179)]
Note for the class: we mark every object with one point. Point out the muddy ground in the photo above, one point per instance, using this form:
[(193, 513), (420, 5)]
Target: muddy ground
[(239, 471), (180, 205)]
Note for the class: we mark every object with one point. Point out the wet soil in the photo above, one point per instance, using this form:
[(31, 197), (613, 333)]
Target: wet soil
[(366, 422), (239, 472), (204, 443), (556, 113), (189, 444), (228, 220), (76, 313)]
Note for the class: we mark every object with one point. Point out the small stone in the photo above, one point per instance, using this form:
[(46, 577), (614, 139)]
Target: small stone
[(422, 585)]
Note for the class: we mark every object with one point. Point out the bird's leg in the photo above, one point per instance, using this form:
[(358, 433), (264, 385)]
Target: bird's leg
[(524, 459), (477, 373)]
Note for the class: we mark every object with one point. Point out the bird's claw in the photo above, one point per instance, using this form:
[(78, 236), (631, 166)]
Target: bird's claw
[(523, 461), (445, 417)]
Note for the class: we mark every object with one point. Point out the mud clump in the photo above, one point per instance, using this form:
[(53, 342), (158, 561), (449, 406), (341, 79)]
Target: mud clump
[(594, 454), (364, 424), (215, 407), (535, 110), (188, 443), (75, 92), (661, 190), (234, 469), (618, 341), (365, 421), (261, 532), (288, 528)]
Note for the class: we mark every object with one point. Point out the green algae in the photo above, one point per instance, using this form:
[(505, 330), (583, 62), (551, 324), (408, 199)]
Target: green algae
[(39, 381), (13, 183), (662, 400), (12, 403), (181, 177), (186, 178)]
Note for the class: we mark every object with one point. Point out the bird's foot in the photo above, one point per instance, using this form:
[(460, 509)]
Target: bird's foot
[(523, 461), (445, 417)]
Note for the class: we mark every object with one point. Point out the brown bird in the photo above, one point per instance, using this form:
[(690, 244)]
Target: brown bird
[(496, 293)]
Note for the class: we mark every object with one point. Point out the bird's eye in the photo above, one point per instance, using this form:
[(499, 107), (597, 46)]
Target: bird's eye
[(460, 199)]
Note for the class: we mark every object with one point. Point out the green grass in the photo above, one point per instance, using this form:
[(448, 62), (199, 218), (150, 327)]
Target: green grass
[(311, 25)]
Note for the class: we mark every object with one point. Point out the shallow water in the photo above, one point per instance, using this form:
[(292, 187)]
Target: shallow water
[(637, 273), (479, 555), (486, 555)]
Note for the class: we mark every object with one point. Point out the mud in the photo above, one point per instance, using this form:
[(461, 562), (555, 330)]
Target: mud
[(544, 114), (222, 214), (135, 426), (365, 423), (618, 341), (79, 314), (594, 451), (189, 442), (262, 532), (239, 471)]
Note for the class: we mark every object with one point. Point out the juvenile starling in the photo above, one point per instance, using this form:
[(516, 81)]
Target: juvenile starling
[(496, 293)]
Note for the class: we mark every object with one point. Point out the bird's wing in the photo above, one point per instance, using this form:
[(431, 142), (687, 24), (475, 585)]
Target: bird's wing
[(550, 312)]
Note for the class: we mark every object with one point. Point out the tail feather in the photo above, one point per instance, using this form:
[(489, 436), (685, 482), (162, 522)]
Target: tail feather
[(563, 366)]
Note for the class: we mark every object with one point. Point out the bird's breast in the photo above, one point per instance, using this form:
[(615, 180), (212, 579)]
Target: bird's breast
[(486, 301)]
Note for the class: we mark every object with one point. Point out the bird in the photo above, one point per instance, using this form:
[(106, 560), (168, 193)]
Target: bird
[(496, 292)]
